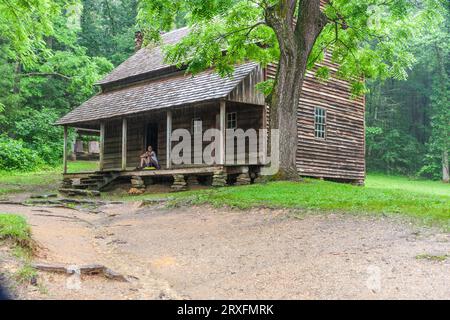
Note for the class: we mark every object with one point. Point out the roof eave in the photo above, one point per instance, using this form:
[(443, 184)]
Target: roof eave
[(129, 114), (151, 75)]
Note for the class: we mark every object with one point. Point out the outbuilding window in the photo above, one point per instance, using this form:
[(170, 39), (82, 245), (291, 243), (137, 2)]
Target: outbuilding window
[(232, 120), (320, 123)]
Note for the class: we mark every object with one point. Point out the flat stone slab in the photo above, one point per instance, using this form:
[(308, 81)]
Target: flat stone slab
[(80, 192), (44, 196)]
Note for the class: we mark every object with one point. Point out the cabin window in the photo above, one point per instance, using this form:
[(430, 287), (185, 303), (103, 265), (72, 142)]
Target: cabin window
[(197, 126), (320, 125), (232, 120)]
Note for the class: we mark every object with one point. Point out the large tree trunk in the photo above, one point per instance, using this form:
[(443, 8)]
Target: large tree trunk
[(296, 40)]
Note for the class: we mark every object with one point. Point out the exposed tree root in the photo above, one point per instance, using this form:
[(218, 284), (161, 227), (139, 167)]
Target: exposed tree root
[(93, 269), (286, 175)]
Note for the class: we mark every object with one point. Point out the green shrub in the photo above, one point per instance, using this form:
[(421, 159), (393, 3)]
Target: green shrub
[(393, 151), (15, 156), (36, 128), (431, 171)]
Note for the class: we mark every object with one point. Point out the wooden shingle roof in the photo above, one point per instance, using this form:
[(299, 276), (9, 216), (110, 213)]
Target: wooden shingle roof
[(146, 82), (146, 60), (176, 90)]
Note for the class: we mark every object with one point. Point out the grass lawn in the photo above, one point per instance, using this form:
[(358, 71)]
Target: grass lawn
[(44, 180), (14, 228), (427, 201), (381, 181)]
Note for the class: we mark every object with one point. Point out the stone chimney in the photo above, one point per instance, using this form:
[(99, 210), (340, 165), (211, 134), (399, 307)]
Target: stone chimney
[(138, 40)]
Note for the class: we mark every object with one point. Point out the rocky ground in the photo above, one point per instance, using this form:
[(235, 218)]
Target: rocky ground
[(206, 253)]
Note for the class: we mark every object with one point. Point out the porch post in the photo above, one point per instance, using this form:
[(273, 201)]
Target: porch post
[(168, 139), (265, 138), (65, 151), (124, 144), (102, 146), (222, 126)]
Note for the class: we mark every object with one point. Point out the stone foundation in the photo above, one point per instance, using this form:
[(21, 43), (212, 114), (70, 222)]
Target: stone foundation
[(243, 179), (219, 179), (179, 183), (137, 183)]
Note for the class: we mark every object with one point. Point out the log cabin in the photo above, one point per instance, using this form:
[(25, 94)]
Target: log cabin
[(144, 100)]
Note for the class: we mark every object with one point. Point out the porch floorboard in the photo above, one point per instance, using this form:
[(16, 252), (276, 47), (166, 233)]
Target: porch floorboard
[(202, 170), (171, 172)]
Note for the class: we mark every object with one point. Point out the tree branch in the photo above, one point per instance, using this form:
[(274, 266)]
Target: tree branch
[(45, 74), (249, 29)]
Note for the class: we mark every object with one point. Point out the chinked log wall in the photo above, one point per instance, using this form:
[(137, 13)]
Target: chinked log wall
[(342, 154)]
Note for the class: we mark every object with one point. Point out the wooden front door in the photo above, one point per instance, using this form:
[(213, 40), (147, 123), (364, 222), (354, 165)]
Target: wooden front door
[(151, 137)]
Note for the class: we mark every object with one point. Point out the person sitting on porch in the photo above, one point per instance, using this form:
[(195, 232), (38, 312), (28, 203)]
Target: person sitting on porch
[(149, 159)]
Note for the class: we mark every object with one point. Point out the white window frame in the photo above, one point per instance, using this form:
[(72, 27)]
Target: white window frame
[(320, 123), (231, 123)]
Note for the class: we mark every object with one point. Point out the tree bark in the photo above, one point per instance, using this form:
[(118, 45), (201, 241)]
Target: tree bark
[(296, 40)]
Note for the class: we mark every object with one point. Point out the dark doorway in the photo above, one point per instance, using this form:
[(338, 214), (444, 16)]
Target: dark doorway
[(152, 136)]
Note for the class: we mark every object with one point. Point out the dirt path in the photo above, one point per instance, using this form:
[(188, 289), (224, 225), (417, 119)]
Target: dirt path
[(201, 253)]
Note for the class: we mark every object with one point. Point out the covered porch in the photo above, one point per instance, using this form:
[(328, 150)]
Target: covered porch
[(124, 139)]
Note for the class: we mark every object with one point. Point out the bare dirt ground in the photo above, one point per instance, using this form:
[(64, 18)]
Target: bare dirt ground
[(205, 253)]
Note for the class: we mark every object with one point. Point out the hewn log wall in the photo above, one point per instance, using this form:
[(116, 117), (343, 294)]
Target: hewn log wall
[(113, 143), (248, 116), (342, 154)]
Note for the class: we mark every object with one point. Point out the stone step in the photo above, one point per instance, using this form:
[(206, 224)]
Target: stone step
[(80, 192), (92, 180), (88, 185), (96, 188), (100, 176), (84, 187), (92, 183)]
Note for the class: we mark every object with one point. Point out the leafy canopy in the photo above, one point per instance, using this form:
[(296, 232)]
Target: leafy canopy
[(369, 38), (25, 24), (107, 28), (45, 73)]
